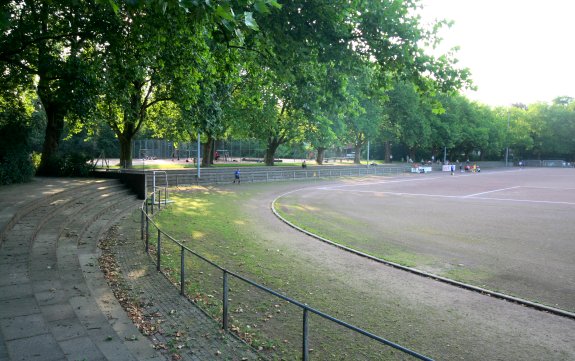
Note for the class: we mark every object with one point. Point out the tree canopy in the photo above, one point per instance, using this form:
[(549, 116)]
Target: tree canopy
[(294, 72)]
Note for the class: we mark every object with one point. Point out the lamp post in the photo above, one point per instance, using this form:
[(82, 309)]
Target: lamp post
[(368, 153), (198, 155)]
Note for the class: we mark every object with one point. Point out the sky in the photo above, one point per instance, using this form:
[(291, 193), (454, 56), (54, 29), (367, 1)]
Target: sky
[(518, 51)]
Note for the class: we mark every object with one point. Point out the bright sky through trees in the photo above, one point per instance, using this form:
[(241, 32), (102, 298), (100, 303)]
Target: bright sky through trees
[(518, 51)]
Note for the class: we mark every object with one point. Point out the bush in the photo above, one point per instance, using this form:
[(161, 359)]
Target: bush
[(76, 165), (16, 167), (73, 164)]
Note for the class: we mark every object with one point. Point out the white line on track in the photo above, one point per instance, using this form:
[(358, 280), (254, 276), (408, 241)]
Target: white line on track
[(493, 191), (524, 200), (376, 183), (552, 188), (456, 197)]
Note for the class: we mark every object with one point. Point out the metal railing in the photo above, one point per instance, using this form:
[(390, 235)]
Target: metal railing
[(247, 175), (147, 213)]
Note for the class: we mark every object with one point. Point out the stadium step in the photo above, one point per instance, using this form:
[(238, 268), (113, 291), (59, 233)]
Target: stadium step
[(54, 302)]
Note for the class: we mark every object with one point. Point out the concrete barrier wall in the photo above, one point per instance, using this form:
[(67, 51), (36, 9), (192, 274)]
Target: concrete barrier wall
[(134, 180)]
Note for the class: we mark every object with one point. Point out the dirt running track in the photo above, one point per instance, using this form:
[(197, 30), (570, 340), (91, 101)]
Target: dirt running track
[(449, 323)]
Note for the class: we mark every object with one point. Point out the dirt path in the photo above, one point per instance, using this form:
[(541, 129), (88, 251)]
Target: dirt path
[(439, 320)]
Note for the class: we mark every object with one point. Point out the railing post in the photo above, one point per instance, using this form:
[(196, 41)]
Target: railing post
[(182, 272), (305, 338), (225, 303), (153, 201), (159, 199), (142, 224), (158, 250), (147, 229)]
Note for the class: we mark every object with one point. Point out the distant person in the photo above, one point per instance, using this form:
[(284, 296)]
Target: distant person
[(452, 169), (237, 176), (304, 165)]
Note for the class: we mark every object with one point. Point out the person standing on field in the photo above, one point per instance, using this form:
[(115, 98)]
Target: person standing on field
[(237, 176)]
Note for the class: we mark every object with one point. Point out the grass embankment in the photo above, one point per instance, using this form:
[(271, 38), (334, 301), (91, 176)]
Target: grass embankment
[(213, 223)]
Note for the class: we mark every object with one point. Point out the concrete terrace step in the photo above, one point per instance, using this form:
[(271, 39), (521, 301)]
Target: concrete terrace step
[(55, 303), (51, 289)]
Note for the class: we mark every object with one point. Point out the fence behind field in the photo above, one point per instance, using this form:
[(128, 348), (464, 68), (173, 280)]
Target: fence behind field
[(265, 174), (554, 163)]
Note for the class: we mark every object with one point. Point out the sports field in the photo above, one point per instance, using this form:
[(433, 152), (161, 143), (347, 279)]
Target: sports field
[(510, 231), (502, 230)]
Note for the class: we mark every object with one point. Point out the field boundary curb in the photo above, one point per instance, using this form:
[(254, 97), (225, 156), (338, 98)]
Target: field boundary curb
[(484, 291)]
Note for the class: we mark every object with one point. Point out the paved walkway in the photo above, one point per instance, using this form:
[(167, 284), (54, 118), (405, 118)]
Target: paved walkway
[(55, 303)]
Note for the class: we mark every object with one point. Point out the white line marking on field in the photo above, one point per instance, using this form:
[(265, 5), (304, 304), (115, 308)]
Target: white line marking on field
[(552, 188), (405, 194), (376, 183), (456, 197), (525, 200), (493, 191)]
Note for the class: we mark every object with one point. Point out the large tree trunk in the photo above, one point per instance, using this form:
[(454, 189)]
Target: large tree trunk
[(47, 94), (357, 158), (54, 128), (271, 152), (388, 156), (125, 151), (125, 138), (208, 152), (320, 155)]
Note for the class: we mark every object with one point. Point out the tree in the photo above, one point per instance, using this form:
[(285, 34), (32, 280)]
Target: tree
[(405, 110), (309, 34), (154, 57), (47, 40), (16, 110), (552, 128)]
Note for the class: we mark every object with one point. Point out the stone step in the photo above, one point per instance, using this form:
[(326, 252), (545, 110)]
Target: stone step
[(48, 307)]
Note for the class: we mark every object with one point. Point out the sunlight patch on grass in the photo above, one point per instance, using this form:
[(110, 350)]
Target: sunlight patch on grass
[(196, 234)]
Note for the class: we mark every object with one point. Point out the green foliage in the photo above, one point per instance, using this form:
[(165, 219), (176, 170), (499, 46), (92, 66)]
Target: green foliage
[(70, 164), (406, 110), (16, 166), (304, 73)]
